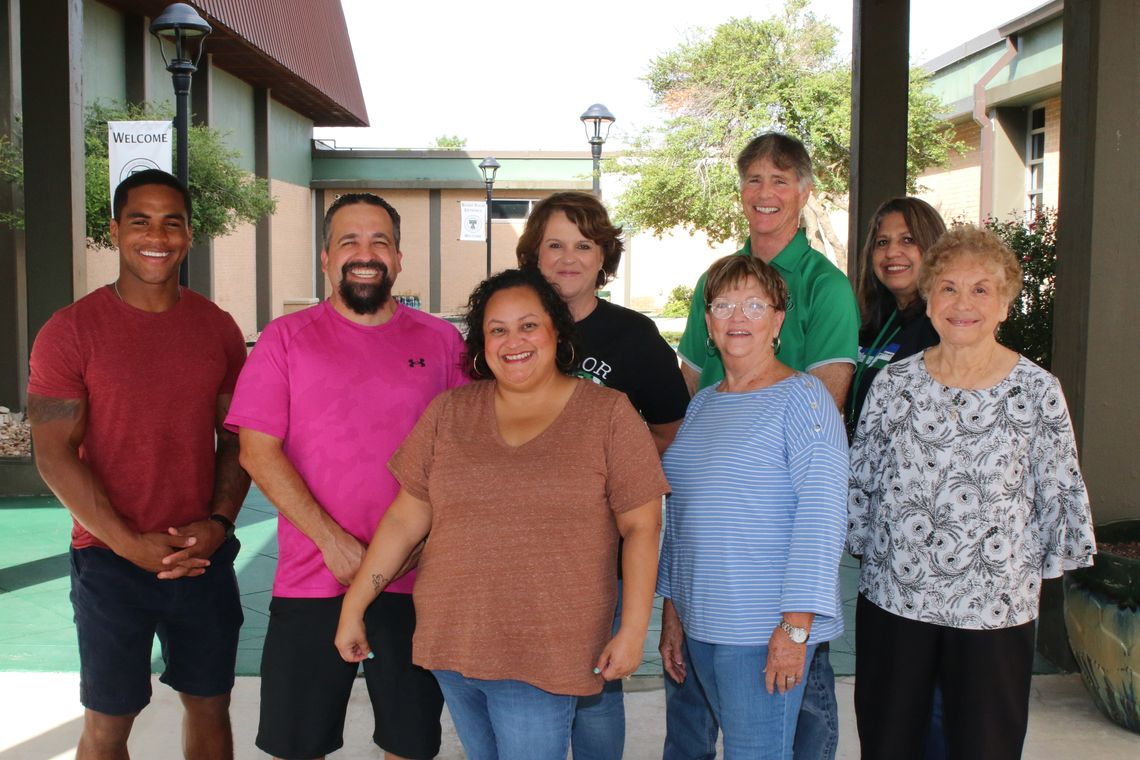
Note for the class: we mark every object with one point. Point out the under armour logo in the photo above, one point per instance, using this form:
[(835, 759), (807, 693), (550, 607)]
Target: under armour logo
[(414, 362)]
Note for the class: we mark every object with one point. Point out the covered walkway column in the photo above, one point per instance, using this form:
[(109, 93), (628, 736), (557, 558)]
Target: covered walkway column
[(880, 75), (55, 228), (1097, 320), (13, 293), (1095, 324)]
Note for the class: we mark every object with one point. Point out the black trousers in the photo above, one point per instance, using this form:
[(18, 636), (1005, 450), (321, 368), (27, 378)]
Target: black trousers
[(985, 677)]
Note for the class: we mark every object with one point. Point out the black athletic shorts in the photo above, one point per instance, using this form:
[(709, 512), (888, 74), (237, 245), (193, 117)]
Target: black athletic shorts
[(305, 685)]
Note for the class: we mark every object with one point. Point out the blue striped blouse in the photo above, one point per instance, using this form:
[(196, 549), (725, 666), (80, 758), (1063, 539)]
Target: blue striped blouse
[(756, 520)]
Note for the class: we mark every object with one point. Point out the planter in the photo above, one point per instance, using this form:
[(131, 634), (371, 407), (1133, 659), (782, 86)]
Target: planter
[(19, 477), (1102, 617)]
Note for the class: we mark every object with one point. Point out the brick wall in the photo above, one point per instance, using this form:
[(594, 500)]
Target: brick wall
[(102, 268), (291, 237), (954, 189), (235, 277)]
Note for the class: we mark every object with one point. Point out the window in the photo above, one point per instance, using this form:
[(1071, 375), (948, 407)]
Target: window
[(1035, 161), (511, 209)]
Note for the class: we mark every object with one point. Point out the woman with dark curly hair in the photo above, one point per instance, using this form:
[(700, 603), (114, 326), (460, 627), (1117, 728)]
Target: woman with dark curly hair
[(522, 483)]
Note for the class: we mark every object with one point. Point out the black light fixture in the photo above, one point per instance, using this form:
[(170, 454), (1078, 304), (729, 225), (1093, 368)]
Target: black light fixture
[(489, 166), (186, 31), (597, 119)]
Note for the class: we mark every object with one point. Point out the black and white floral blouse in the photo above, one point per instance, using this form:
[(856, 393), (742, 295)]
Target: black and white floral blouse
[(961, 501)]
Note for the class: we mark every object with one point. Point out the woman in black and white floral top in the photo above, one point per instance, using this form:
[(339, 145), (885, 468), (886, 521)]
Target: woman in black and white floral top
[(965, 492)]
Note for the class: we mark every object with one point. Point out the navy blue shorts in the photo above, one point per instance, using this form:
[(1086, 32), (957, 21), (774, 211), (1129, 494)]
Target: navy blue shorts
[(119, 607)]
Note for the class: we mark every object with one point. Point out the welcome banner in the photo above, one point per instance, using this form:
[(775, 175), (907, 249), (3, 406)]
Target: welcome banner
[(134, 146)]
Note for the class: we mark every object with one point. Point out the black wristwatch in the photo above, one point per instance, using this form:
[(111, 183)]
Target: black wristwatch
[(226, 523)]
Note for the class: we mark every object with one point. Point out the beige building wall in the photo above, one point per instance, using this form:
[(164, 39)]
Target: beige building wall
[(464, 262), (954, 189), (291, 241), (102, 268), (235, 277)]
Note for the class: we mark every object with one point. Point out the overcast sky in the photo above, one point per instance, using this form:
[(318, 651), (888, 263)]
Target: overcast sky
[(517, 74)]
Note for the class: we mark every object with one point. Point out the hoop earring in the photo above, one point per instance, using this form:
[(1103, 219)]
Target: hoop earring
[(573, 354), (776, 345), (710, 347), (475, 365)]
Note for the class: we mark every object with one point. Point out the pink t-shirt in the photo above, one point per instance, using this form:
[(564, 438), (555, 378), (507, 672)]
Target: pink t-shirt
[(342, 397), (151, 381)]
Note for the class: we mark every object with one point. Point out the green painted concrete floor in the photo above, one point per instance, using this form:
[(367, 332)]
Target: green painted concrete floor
[(36, 629)]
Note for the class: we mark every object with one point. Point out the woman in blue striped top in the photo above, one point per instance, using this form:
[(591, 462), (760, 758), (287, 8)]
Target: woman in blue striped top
[(756, 520)]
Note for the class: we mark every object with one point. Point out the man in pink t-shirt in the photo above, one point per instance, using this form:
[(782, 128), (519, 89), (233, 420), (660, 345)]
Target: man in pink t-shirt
[(326, 397)]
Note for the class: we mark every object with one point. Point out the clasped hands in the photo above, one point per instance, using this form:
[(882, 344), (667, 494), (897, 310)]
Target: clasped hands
[(182, 552)]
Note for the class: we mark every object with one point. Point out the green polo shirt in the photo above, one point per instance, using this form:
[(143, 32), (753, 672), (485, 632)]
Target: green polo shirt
[(821, 325)]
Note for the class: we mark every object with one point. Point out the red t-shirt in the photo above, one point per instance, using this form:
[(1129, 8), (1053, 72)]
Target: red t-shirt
[(151, 382)]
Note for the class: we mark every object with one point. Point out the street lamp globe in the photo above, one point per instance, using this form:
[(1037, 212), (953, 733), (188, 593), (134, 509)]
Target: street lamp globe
[(597, 120)]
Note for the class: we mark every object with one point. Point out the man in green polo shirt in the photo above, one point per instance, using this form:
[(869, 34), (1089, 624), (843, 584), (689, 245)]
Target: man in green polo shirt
[(820, 336), (820, 333)]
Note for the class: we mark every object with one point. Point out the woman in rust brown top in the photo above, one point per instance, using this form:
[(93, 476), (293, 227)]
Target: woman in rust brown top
[(522, 484)]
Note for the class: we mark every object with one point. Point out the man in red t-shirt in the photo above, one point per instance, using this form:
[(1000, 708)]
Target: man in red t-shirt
[(128, 391)]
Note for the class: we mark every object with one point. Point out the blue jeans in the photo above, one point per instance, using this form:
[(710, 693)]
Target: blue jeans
[(817, 730), (757, 725), (690, 726), (599, 720), (504, 720)]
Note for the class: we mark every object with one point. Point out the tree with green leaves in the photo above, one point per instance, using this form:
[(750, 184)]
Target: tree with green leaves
[(225, 196), (747, 77), (448, 142), (677, 305)]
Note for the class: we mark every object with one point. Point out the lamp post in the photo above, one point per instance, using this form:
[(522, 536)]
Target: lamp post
[(489, 166), (182, 25), (595, 117)]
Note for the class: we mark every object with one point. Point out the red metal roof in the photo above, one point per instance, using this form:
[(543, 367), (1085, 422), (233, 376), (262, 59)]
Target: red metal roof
[(298, 49)]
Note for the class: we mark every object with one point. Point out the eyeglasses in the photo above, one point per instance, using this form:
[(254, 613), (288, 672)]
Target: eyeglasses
[(752, 308)]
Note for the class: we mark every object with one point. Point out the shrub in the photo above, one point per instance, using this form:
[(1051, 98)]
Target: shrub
[(1029, 328)]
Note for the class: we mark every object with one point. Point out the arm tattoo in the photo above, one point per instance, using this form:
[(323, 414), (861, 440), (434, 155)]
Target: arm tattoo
[(43, 409), (379, 582)]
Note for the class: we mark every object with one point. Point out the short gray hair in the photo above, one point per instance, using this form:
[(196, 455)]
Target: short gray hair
[(785, 151)]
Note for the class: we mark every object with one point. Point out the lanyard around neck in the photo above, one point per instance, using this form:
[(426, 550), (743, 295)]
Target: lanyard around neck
[(878, 345)]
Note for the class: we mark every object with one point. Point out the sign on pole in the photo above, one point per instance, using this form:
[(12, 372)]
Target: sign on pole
[(133, 146), (473, 220)]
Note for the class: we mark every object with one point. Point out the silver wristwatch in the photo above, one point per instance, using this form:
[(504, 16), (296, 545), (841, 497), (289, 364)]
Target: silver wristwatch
[(797, 635)]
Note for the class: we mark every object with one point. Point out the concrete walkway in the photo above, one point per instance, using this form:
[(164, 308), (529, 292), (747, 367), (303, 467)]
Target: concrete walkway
[(40, 719)]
